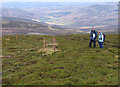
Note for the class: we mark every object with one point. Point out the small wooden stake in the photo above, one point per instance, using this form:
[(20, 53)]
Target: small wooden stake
[(44, 43), (57, 44), (54, 44), (46, 46), (3, 34), (16, 37)]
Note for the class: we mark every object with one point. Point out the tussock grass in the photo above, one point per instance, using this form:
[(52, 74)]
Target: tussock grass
[(74, 64)]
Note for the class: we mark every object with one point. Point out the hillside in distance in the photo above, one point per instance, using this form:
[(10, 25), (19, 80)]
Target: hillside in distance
[(39, 5), (79, 17), (20, 26)]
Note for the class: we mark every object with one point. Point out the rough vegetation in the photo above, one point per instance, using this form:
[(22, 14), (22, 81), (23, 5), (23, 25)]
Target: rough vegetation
[(74, 64)]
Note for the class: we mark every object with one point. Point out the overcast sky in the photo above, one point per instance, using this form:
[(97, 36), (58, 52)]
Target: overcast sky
[(60, 0)]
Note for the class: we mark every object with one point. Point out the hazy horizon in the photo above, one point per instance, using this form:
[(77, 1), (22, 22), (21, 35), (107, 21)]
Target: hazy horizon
[(60, 1)]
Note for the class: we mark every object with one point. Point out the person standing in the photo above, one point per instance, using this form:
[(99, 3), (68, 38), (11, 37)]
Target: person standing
[(101, 39), (93, 36)]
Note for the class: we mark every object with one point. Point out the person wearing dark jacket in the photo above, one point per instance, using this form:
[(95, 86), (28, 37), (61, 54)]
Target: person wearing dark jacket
[(93, 36)]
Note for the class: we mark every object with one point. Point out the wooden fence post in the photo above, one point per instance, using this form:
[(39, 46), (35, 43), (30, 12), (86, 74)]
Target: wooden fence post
[(58, 45), (16, 37), (44, 43), (3, 34), (54, 44)]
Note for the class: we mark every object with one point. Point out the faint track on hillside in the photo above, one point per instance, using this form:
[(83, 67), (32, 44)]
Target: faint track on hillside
[(22, 64)]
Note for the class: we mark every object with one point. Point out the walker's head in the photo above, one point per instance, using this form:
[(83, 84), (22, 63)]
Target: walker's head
[(100, 32), (93, 28)]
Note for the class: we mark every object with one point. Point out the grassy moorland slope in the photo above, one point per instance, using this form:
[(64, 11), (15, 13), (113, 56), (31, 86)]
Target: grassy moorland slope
[(74, 64)]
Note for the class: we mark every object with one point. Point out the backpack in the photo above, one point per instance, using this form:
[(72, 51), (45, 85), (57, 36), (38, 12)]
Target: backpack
[(104, 37)]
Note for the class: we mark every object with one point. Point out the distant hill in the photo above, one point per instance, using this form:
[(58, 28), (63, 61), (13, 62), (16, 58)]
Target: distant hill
[(20, 19), (13, 26), (93, 15), (39, 5), (68, 15), (16, 13)]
